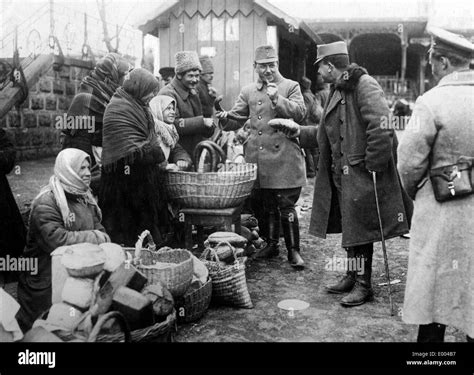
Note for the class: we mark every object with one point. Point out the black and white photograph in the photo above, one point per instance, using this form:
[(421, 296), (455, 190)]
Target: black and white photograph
[(237, 184)]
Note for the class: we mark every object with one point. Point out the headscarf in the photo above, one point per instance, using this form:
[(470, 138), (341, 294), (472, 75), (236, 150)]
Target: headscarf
[(128, 123), (140, 82), (66, 180), (166, 133), (97, 88)]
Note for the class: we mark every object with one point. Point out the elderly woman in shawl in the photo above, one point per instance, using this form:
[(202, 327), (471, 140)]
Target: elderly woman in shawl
[(163, 109), (131, 193), (94, 94), (64, 213)]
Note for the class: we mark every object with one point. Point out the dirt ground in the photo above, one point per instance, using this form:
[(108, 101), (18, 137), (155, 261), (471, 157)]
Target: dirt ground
[(271, 281)]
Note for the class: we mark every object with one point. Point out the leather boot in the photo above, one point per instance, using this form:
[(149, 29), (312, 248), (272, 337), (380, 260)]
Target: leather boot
[(346, 284), (433, 332), (362, 291), (273, 228), (291, 232)]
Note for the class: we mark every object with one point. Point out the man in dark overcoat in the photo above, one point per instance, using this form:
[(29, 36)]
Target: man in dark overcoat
[(207, 93), (280, 161), (354, 140), (192, 126)]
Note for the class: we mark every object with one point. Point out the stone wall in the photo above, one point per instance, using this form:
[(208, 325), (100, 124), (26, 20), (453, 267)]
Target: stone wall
[(32, 127)]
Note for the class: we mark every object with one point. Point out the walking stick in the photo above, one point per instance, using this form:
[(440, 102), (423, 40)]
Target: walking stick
[(384, 249)]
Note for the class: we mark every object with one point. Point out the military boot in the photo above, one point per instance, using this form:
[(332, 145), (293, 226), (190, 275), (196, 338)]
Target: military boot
[(346, 284), (432, 332), (291, 233), (362, 291), (273, 237)]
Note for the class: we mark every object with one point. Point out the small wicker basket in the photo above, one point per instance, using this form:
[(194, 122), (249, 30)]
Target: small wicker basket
[(176, 276), (173, 268), (194, 304), (228, 187)]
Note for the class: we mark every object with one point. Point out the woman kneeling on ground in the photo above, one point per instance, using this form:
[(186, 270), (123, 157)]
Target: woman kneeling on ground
[(63, 213)]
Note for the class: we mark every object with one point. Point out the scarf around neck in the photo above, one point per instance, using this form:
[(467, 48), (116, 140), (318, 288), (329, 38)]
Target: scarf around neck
[(66, 180), (166, 133)]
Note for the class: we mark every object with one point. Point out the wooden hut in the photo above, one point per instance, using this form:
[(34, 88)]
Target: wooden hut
[(229, 31)]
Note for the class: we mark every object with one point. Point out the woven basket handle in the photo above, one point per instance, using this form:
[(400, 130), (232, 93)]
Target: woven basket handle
[(139, 244), (214, 252), (104, 318), (231, 247)]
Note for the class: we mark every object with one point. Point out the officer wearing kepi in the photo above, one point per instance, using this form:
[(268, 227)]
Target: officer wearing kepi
[(280, 161), (353, 144)]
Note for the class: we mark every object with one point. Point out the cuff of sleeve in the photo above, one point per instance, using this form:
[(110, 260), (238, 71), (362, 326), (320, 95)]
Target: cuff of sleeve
[(275, 103)]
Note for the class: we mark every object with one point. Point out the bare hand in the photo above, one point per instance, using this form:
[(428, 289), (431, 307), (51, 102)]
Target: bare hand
[(162, 166), (272, 92), (182, 165), (208, 122), (221, 115), (212, 92), (172, 167)]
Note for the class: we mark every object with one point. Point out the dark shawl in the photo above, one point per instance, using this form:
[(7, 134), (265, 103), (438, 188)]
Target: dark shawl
[(128, 123), (94, 94), (12, 231), (133, 201)]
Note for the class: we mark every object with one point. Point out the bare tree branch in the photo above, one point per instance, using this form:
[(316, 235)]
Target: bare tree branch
[(107, 38)]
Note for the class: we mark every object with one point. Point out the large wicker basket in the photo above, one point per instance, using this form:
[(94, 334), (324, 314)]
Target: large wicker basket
[(226, 188), (159, 332)]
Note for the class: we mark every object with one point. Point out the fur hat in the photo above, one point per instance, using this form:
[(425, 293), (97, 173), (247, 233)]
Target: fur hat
[(206, 64), (185, 61)]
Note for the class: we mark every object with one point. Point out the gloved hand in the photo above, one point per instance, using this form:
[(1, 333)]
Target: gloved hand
[(287, 126)]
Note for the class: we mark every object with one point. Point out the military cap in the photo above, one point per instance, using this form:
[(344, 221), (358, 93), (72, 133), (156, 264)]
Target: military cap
[(325, 50), (446, 41), (265, 54)]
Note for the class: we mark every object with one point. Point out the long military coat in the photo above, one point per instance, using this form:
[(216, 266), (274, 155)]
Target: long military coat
[(358, 106)]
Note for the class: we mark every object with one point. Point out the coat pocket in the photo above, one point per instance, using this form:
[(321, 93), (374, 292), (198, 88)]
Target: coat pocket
[(355, 159)]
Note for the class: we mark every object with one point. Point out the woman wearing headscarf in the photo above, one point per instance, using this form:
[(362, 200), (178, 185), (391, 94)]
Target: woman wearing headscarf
[(64, 213), (163, 109), (131, 193), (94, 94)]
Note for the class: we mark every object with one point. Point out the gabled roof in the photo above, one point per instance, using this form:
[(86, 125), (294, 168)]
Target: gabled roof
[(160, 16)]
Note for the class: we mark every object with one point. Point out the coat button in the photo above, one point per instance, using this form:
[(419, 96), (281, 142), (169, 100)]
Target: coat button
[(341, 137), (259, 102), (259, 133), (259, 117), (261, 147)]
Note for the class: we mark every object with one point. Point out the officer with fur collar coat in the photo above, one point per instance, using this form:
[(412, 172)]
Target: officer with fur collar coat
[(354, 139)]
